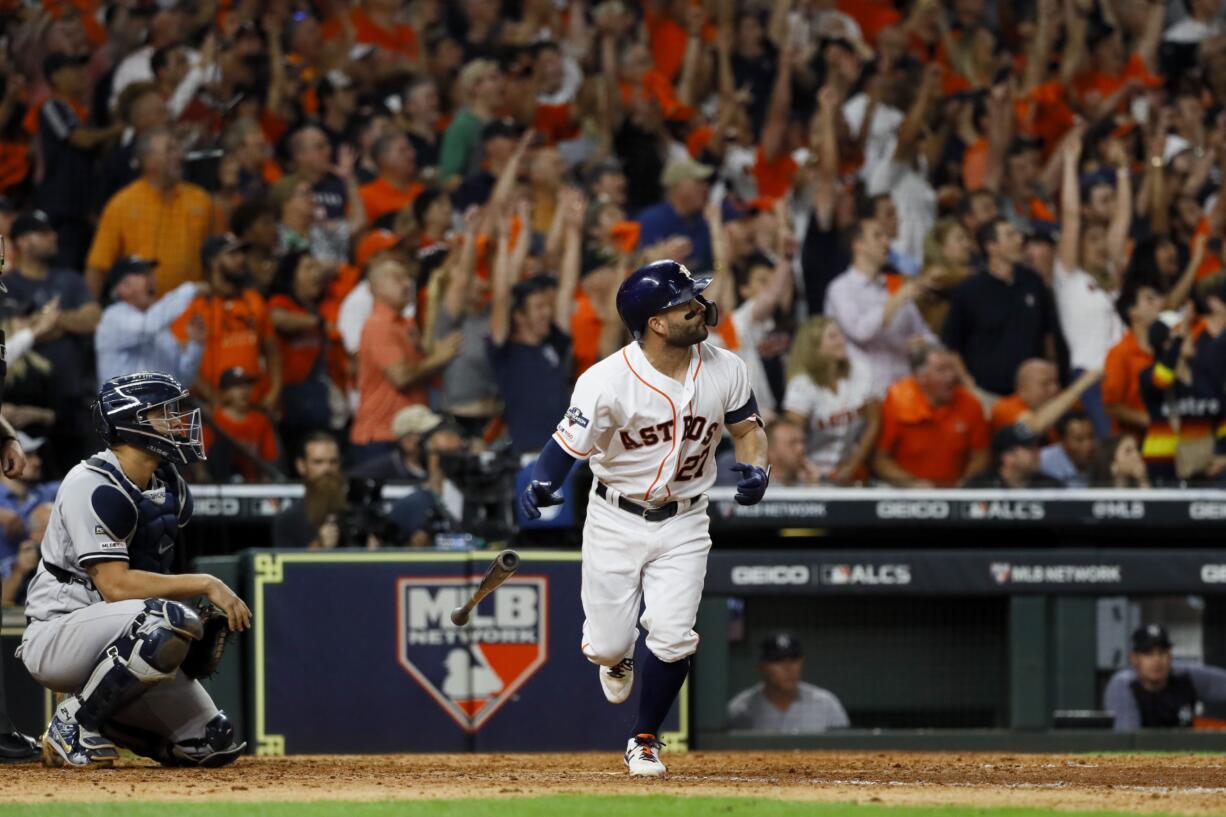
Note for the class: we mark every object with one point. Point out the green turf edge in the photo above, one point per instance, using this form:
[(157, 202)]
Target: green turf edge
[(560, 805)]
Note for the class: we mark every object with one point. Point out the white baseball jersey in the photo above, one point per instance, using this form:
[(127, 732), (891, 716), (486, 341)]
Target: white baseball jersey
[(648, 436), (835, 415)]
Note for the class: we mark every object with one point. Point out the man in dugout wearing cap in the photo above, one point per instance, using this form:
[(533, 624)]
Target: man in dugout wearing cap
[(1155, 694), (782, 703)]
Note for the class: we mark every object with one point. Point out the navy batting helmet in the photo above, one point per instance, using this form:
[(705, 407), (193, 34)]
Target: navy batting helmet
[(652, 288), (147, 410)]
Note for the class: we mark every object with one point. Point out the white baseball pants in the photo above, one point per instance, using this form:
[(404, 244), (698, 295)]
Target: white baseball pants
[(630, 563)]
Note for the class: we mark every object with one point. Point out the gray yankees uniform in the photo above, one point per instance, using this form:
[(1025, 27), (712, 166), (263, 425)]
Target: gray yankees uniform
[(1188, 688), (69, 623), (814, 710), (128, 665)]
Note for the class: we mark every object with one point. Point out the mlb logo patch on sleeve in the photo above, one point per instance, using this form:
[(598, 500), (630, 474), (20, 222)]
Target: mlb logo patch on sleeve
[(111, 546), (575, 417)]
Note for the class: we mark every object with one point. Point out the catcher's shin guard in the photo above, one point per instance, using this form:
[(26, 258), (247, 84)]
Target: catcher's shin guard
[(148, 653)]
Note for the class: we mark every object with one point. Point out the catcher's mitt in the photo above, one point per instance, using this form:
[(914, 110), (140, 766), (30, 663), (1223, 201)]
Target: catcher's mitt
[(204, 656)]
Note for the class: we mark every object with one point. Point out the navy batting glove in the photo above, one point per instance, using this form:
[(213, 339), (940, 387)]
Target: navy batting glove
[(536, 496), (752, 487)]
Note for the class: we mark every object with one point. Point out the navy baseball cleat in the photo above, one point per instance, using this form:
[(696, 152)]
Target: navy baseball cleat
[(67, 743)]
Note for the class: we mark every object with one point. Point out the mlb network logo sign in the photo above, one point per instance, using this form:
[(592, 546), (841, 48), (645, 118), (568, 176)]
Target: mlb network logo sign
[(472, 671)]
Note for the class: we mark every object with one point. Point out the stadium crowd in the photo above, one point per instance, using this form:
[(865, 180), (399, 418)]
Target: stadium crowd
[(956, 243)]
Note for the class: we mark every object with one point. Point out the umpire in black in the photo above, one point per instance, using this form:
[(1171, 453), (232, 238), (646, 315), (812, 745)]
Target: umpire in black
[(14, 746)]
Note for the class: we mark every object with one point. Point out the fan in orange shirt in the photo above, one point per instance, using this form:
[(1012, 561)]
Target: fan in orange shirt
[(557, 80), (1210, 262), (1115, 75), (396, 185), (1043, 112), (238, 330), (773, 166), (84, 10), (432, 211), (374, 22), (669, 32), (245, 424), (595, 309), (1038, 401), (294, 310), (933, 432), (1139, 304), (640, 78), (871, 15)]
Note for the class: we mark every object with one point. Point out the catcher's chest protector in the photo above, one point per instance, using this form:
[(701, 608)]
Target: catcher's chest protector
[(157, 524)]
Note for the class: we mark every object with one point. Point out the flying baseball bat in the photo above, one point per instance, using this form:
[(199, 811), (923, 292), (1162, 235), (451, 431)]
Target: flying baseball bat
[(502, 568)]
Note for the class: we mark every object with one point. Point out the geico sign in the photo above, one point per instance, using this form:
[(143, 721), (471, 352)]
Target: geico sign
[(1207, 510), (216, 506), (750, 575), (913, 509), (1213, 574)]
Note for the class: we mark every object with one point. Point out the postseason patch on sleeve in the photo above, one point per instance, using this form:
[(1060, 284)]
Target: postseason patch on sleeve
[(575, 417)]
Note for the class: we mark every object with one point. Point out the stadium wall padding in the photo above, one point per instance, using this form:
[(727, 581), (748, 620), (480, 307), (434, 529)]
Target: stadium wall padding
[(355, 652)]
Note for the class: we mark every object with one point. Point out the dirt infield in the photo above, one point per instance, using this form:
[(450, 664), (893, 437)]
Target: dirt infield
[(1185, 784)]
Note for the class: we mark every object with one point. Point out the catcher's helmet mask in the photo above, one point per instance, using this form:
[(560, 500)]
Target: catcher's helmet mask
[(658, 286), (148, 410)]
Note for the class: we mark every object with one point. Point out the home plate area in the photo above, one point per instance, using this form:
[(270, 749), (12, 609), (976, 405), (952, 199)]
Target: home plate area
[(1169, 784)]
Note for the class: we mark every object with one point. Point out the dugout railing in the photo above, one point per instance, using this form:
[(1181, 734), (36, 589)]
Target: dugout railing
[(228, 518)]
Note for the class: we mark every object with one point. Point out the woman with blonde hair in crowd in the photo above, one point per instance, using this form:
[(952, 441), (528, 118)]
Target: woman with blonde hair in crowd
[(832, 396), (947, 263)]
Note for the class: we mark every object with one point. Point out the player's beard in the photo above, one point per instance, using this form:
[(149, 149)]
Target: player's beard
[(687, 334)]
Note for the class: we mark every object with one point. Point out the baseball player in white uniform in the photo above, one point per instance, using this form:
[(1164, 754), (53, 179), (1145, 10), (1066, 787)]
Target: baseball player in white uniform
[(648, 419), (106, 622)]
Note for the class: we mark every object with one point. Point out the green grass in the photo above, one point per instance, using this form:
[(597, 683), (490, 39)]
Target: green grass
[(566, 805)]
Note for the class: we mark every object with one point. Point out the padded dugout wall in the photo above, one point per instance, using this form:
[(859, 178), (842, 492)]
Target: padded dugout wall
[(355, 652)]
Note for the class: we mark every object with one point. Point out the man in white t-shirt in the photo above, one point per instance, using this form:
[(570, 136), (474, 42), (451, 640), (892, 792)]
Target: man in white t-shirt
[(903, 178), (882, 130)]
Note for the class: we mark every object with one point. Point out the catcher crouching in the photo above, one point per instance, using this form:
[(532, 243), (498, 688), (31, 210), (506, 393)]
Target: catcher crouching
[(107, 620)]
